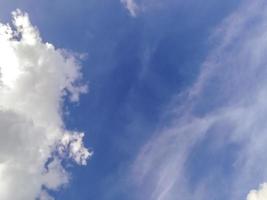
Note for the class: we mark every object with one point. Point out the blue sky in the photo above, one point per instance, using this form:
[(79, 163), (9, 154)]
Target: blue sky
[(176, 102)]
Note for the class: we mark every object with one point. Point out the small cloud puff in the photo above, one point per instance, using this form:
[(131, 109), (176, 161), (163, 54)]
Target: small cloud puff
[(131, 6)]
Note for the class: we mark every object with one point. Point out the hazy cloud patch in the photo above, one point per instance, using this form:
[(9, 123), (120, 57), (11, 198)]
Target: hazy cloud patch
[(227, 100)]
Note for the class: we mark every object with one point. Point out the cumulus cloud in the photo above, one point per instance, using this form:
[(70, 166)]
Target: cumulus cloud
[(260, 194), (131, 6), (35, 80), (224, 113)]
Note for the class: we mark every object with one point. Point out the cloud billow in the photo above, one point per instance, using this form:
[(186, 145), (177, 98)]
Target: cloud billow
[(35, 78)]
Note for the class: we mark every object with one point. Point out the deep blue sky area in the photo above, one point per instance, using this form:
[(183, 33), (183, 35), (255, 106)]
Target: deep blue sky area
[(135, 66)]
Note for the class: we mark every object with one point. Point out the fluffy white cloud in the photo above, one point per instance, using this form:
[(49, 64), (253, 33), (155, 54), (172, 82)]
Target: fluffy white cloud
[(35, 78), (260, 194), (225, 107)]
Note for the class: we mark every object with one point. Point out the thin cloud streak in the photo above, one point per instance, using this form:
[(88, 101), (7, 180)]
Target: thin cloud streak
[(226, 107), (131, 6)]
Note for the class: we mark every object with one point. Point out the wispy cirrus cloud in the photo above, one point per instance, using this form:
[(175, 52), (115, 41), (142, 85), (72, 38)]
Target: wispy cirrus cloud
[(213, 146), (35, 79), (136, 7), (131, 6)]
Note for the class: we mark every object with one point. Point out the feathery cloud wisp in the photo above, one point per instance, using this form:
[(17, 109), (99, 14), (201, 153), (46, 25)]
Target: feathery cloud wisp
[(35, 78), (131, 6), (222, 117)]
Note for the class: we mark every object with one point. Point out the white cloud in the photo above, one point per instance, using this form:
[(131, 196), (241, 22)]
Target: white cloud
[(228, 101), (131, 6), (35, 78), (260, 194), (135, 7)]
